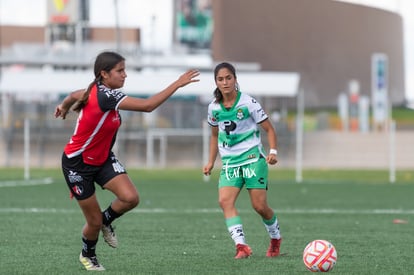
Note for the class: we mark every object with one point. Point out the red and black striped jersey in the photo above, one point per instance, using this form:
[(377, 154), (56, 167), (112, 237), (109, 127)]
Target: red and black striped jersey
[(96, 127)]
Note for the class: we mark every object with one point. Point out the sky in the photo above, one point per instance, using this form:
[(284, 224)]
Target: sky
[(143, 11)]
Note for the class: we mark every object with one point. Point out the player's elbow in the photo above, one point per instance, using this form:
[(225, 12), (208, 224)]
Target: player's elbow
[(148, 108), (143, 106)]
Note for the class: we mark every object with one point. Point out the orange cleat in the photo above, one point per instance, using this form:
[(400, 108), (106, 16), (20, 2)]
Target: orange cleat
[(243, 251), (274, 248)]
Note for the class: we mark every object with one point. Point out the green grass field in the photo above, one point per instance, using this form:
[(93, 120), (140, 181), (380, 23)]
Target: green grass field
[(179, 229)]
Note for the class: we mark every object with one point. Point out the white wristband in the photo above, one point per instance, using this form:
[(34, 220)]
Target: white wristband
[(273, 151)]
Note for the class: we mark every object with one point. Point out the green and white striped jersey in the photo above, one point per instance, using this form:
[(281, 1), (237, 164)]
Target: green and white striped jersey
[(239, 139)]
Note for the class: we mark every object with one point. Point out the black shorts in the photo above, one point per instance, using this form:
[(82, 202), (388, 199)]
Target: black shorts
[(81, 177)]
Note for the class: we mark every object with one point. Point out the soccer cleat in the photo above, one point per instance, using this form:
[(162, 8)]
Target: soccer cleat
[(91, 263), (243, 251), (274, 248), (109, 235)]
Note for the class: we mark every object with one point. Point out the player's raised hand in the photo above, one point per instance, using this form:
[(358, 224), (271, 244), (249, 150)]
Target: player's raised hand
[(188, 77)]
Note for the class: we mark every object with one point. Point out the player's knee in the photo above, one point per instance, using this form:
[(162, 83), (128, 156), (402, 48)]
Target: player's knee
[(131, 200), (225, 203), (95, 222), (260, 209), (134, 201)]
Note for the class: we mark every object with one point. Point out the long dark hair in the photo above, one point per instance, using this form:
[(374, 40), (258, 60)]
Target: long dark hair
[(217, 93), (105, 61)]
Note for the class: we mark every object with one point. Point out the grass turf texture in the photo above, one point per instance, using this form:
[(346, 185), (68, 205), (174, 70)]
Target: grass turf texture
[(179, 229)]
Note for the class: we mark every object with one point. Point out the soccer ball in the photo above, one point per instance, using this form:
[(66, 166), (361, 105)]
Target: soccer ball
[(319, 256)]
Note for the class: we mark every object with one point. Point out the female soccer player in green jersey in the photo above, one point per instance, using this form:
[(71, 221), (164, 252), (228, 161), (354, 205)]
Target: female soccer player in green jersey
[(234, 118)]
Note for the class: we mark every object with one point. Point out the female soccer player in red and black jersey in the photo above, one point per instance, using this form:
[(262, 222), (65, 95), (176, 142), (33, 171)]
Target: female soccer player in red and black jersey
[(88, 156)]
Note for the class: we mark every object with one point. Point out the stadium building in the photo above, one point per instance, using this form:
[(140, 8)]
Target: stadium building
[(326, 43)]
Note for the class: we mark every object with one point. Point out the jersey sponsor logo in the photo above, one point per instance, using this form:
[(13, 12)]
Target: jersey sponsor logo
[(114, 93), (235, 174), (117, 94), (74, 177), (247, 173), (212, 118), (215, 116), (229, 126), (116, 117), (251, 156), (261, 112), (118, 167)]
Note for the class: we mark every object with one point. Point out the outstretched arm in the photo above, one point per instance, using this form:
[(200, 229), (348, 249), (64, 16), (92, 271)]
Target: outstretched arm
[(150, 104)]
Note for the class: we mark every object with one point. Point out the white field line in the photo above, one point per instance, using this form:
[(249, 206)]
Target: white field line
[(17, 183), (217, 210)]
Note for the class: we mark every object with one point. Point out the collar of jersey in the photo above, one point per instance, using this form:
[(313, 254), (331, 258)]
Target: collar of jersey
[(234, 104)]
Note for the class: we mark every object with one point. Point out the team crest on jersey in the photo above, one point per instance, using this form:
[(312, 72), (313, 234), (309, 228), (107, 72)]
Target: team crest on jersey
[(77, 189), (240, 114)]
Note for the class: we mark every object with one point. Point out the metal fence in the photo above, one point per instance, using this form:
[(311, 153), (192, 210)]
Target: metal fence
[(170, 136)]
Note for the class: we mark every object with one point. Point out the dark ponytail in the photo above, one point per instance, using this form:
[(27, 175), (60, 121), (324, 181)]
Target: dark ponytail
[(85, 97)]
